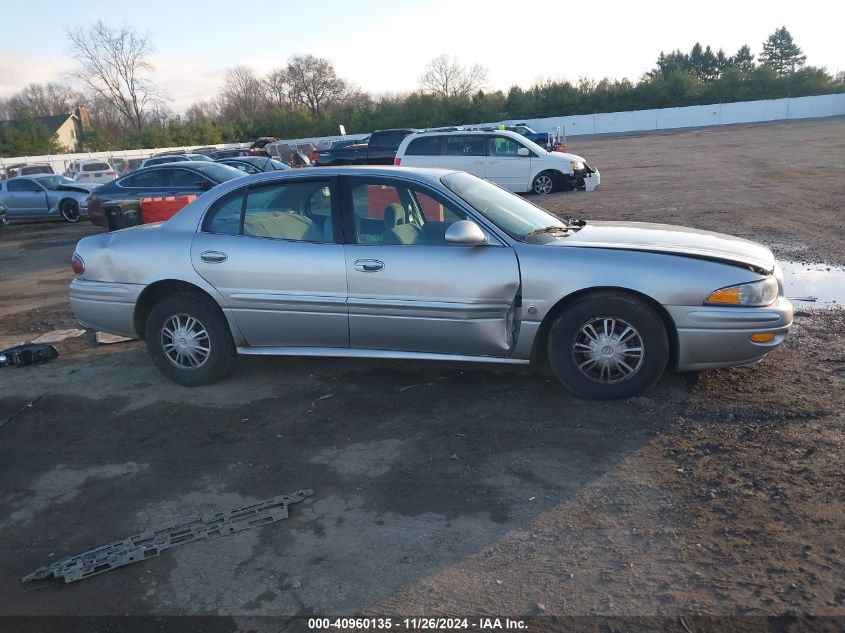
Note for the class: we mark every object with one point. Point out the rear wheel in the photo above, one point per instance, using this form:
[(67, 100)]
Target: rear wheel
[(543, 183), (69, 210), (189, 340), (607, 346)]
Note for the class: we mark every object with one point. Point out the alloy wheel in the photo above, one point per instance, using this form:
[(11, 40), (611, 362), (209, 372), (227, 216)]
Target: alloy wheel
[(543, 184)]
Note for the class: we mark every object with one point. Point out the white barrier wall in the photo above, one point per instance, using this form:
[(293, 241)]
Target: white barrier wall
[(576, 125), (691, 116)]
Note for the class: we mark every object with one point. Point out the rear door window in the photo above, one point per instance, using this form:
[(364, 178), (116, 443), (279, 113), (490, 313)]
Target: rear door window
[(186, 179), (466, 145)]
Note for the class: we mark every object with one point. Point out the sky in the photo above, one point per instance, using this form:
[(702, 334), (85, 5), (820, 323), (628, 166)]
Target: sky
[(383, 46)]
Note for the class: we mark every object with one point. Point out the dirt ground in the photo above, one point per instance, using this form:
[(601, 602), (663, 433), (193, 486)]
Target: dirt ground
[(456, 488)]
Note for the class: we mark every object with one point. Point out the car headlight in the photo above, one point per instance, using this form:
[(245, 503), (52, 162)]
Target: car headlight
[(754, 294), (576, 165)]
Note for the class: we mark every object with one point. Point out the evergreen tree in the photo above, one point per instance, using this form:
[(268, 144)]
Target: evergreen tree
[(743, 60), (781, 53), (26, 136)]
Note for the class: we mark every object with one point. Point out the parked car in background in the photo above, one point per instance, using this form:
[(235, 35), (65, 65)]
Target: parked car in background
[(28, 169), (254, 164), (173, 158), (506, 158), (119, 165), (206, 151), (379, 150), (44, 196), (229, 153), (428, 264), (92, 170), (132, 164), (160, 181)]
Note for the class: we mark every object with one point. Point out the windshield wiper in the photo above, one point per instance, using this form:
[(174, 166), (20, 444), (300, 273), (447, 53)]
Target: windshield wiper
[(548, 229)]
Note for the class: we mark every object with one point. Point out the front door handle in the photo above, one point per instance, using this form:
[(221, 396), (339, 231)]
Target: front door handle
[(368, 265), (213, 257)]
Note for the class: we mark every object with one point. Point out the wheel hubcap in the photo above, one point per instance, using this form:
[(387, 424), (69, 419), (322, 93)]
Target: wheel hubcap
[(608, 350), (185, 341), (69, 211), (543, 184)]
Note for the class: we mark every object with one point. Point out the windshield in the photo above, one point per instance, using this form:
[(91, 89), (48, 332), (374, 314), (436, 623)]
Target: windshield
[(53, 182), (510, 212)]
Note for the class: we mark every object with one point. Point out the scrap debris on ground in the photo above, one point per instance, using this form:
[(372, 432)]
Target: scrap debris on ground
[(151, 543)]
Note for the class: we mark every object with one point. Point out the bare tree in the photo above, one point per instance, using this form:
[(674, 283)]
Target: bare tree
[(200, 110), (114, 63), (277, 89), (314, 82), (445, 77), (242, 92)]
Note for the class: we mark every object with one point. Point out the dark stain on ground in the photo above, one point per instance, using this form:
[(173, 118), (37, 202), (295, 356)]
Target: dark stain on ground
[(459, 430)]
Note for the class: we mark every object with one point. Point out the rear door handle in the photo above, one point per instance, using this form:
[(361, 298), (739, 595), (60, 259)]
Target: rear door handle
[(368, 265), (213, 257)]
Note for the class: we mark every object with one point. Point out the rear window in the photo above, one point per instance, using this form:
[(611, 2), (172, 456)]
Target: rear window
[(388, 140), (425, 146), (96, 167)]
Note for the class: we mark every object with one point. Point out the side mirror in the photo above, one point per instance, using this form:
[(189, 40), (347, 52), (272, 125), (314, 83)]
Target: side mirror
[(523, 151), (465, 232)]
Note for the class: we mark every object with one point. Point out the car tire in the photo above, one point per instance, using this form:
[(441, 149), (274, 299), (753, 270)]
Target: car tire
[(69, 210), (194, 324), (543, 183), (593, 343)]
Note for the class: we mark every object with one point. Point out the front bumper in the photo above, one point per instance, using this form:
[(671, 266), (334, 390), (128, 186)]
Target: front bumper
[(710, 337), (588, 178)]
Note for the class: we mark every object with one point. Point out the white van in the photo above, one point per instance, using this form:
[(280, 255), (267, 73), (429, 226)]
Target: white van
[(506, 158)]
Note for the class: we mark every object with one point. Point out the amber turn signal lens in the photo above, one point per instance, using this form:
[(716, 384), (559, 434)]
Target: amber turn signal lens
[(725, 295), (763, 337)]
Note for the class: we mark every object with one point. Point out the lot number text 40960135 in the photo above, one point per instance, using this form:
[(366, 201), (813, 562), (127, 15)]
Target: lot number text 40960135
[(417, 624)]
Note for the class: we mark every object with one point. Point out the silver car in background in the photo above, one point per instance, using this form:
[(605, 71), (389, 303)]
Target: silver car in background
[(427, 264), (44, 196)]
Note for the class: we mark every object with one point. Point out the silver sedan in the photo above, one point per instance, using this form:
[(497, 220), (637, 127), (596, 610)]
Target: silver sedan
[(385, 262), (44, 196)]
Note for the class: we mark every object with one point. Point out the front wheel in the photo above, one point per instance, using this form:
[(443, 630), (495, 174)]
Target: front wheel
[(69, 210), (543, 184), (607, 346), (189, 340)]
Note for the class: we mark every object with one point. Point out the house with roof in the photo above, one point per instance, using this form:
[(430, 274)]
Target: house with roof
[(67, 128)]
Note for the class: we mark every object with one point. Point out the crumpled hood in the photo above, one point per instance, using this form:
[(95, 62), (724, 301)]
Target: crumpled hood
[(81, 188), (567, 157), (673, 240)]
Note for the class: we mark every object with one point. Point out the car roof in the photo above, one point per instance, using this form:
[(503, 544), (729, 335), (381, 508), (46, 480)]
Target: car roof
[(85, 161)]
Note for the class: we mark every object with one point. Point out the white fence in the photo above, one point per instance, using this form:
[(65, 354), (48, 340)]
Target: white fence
[(604, 123), (692, 116)]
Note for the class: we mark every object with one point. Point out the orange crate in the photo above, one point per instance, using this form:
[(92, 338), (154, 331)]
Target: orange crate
[(161, 209)]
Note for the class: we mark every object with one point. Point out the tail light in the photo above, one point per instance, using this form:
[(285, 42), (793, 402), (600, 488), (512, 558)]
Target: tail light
[(109, 173), (314, 156), (77, 264), (397, 162)]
